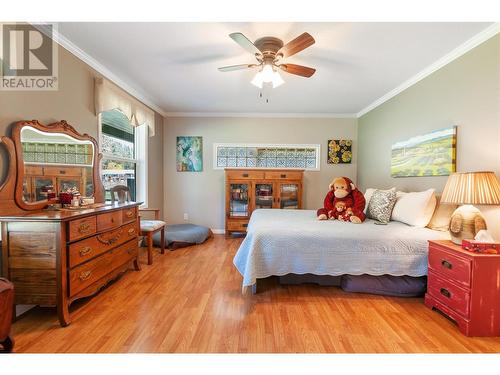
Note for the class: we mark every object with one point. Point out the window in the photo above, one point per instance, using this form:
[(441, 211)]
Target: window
[(124, 154), (230, 155)]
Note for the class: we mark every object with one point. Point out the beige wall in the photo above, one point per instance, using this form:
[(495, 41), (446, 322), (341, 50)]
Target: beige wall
[(73, 102), (465, 93), (201, 195)]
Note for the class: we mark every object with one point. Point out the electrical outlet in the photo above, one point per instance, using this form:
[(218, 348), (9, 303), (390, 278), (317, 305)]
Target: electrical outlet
[(186, 217)]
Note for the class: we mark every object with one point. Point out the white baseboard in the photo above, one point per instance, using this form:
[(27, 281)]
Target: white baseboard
[(218, 231)]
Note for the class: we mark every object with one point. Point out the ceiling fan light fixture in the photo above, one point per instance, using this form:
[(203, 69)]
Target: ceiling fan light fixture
[(267, 73), (257, 80), (277, 80)]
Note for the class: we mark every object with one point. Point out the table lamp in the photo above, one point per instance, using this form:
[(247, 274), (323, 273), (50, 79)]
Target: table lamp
[(467, 189)]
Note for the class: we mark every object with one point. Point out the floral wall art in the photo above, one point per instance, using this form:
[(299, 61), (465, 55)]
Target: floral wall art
[(339, 151)]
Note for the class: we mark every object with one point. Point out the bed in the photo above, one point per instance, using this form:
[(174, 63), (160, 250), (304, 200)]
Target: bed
[(281, 242)]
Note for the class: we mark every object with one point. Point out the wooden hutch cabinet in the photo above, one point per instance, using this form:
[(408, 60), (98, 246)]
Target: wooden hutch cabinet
[(251, 189)]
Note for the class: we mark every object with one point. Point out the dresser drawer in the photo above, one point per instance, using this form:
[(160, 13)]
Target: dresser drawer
[(283, 175), (129, 215), (449, 265), (237, 225), (110, 220), (82, 228), (244, 175), (82, 251), (90, 272), (448, 294)]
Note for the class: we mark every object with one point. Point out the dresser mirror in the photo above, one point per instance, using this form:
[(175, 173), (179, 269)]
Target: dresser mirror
[(52, 159)]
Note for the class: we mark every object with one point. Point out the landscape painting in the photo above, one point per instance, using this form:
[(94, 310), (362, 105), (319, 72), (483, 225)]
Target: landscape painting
[(189, 154), (432, 154)]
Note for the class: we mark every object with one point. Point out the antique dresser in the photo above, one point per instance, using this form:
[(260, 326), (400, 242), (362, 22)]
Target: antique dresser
[(54, 256)]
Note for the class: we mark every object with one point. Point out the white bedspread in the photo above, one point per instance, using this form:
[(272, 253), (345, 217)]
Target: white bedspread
[(279, 242)]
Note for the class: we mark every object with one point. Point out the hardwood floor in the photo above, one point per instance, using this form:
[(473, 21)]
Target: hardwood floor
[(190, 300)]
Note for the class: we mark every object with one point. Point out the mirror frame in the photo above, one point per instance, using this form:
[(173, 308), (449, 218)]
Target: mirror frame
[(56, 127)]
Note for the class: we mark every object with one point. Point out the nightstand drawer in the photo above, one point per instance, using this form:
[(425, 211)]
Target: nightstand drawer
[(448, 294), (449, 265)]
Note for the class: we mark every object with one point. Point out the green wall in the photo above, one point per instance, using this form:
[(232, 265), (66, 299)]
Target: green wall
[(465, 93)]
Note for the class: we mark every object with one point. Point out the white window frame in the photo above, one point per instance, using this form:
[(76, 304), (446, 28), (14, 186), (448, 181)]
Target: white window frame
[(317, 148), (140, 160)]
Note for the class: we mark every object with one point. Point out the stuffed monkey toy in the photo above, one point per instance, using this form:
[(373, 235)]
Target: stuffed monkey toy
[(343, 190)]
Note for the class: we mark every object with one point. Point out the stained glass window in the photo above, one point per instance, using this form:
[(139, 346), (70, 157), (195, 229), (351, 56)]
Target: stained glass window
[(266, 156)]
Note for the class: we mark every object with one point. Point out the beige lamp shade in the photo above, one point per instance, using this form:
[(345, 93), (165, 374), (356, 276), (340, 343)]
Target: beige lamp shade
[(472, 188)]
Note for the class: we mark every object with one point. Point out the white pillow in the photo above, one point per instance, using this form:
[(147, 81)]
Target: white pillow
[(368, 196), (414, 209)]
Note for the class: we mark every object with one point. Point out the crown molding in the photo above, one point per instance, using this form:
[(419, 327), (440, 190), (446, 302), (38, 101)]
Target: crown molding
[(259, 115), (100, 68), (473, 42), (462, 49)]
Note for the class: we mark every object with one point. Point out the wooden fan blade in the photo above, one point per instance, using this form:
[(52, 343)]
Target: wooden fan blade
[(298, 44), (299, 70), (244, 42), (230, 68)]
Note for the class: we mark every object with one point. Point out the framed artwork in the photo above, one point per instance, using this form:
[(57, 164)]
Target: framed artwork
[(431, 154), (339, 151), (189, 156)]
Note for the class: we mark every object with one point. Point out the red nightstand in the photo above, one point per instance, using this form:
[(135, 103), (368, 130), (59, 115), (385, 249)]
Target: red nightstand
[(465, 286)]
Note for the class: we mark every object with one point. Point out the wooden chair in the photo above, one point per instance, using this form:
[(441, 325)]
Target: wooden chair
[(121, 194)]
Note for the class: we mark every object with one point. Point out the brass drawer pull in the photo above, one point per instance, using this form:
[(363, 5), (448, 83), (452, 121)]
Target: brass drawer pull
[(129, 214), (446, 264), (445, 292), (245, 174), (85, 275), (84, 228), (131, 231), (244, 225), (283, 176), (111, 240), (86, 250)]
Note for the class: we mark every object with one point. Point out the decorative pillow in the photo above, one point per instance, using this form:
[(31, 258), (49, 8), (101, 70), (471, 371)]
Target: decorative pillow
[(442, 216), (368, 195), (414, 208), (381, 205)]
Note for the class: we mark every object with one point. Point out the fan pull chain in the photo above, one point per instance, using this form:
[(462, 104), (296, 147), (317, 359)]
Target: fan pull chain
[(264, 94)]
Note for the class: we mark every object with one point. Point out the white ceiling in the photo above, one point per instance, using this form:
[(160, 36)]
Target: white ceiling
[(175, 64)]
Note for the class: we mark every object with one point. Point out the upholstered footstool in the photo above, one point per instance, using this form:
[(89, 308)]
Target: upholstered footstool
[(182, 235), (148, 229)]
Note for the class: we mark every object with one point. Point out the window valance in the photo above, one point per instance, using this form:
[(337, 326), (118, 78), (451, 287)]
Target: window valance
[(108, 97)]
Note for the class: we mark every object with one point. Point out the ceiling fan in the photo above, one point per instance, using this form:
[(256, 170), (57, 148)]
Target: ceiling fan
[(269, 51)]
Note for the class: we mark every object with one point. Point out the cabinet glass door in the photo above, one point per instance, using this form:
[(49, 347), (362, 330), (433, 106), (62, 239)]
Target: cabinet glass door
[(41, 186), (68, 183), (263, 195), (289, 196), (239, 200)]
